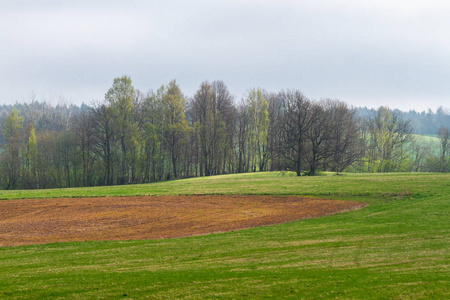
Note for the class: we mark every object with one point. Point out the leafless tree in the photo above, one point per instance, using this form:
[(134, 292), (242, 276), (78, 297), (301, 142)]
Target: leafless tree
[(243, 127), (344, 135), (275, 133), (444, 135), (296, 124), (102, 122), (84, 128), (228, 115), (319, 137)]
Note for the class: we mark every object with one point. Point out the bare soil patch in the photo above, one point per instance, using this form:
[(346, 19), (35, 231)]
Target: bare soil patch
[(151, 217)]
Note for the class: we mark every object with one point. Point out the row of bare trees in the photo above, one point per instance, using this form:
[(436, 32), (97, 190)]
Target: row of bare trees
[(307, 135), (134, 137)]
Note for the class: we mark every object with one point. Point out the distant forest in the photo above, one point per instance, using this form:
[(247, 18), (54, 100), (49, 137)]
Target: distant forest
[(136, 137), (424, 123)]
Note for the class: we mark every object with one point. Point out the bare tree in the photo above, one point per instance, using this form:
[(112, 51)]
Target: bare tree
[(13, 133), (84, 129), (274, 132), (66, 152), (243, 128), (444, 135), (297, 122), (228, 115), (104, 138), (319, 137), (420, 151), (344, 135), (204, 117)]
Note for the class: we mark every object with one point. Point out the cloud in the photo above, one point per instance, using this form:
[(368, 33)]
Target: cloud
[(358, 51)]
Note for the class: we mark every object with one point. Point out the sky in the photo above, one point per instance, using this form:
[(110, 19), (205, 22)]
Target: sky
[(394, 53)]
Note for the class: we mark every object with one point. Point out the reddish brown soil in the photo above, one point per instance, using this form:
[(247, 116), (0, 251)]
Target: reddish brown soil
[(132, 218)]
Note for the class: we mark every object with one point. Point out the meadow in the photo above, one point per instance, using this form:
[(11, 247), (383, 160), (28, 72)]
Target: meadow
[(396, 247)]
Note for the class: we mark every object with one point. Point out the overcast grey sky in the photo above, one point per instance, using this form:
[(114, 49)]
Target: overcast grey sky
[(367, 53)]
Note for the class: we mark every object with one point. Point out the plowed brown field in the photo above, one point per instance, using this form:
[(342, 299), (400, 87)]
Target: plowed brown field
[(150, 217)]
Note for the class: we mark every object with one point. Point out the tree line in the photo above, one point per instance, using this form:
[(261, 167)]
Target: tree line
[(136, 137)]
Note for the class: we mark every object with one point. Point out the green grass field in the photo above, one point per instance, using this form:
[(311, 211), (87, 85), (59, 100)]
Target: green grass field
[(397, 247)]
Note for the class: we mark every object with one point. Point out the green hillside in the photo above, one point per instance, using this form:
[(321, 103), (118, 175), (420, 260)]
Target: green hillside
[(432, 142), (397, 247)]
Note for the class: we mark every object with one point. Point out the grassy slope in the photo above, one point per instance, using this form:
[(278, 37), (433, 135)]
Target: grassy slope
[(398, 247), (430, 141)]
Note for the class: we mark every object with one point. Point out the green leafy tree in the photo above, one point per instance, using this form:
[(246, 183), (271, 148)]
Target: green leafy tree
[(120, 98), (210, 127), (391, 136), (174, 125), (151, 116), (13, 125), (257, 107), (32, 156)]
